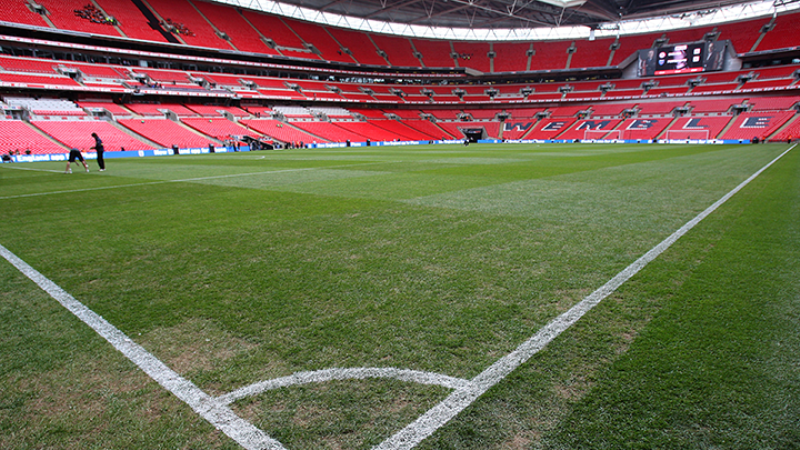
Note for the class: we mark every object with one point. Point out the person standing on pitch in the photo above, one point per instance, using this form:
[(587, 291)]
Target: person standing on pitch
[(98, 145), (73, 155)]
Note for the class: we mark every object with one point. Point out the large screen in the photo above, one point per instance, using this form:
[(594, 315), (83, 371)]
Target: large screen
[(681, 58)]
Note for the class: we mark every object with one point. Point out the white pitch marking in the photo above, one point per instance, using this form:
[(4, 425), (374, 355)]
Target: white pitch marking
[(215, 412), (322, 376), (28, 168), (410, 436), (38, 194)]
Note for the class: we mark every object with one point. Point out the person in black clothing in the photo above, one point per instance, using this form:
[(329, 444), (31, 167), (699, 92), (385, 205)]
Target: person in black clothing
[(73, 155), (98, 145)]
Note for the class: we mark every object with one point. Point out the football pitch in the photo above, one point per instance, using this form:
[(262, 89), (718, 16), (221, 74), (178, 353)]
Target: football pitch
[(524, 296)]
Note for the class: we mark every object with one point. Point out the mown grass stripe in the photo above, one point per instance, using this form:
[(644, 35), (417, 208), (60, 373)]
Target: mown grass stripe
[(439, 415)]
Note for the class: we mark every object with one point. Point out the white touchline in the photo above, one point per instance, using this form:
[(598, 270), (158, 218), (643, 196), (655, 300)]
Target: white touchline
[(29, 168), (439, 415), (212, 410), (186, 180), (150, 183)]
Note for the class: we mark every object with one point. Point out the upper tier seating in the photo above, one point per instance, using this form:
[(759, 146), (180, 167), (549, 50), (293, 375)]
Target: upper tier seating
[(743, 35), (317, 36), (130, 20), (550, 55), (591, 53), (189, 24), (786, 33), (242, 35), (272, 27), (359, 44), (196, 22), (511, 56), (62, 14), (16, 11), (473, 55), (398, 50), (434, 53)]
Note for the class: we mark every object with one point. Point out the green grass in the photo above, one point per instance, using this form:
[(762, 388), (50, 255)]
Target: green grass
[(238, 268)]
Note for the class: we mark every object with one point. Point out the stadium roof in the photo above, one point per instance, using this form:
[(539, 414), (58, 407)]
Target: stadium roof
[(516, 19)]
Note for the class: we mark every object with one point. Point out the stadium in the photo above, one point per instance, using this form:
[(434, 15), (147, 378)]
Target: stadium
[(419, 224)]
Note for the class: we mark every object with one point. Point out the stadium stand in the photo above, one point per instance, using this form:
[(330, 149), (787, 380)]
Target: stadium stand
[(242, 36), (167, 133), (131, 20), (21, 137), (329, 131), (591, 53), (280, 131), (492, 129), (697, 127), (434, 53), (78, 134), (759, 125), (18, 12), (222, 129), (578, 130), (550, 128), (62, 13), (274, 29), (737, 104), (785, 33), (511, 56), (474, 55), (398, 50), (113, 108), (359, 44), (188, 24), (317, 36), (644, 129)]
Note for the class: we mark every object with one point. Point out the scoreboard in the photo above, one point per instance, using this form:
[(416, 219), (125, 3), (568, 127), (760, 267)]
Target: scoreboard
[(681, 58)]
